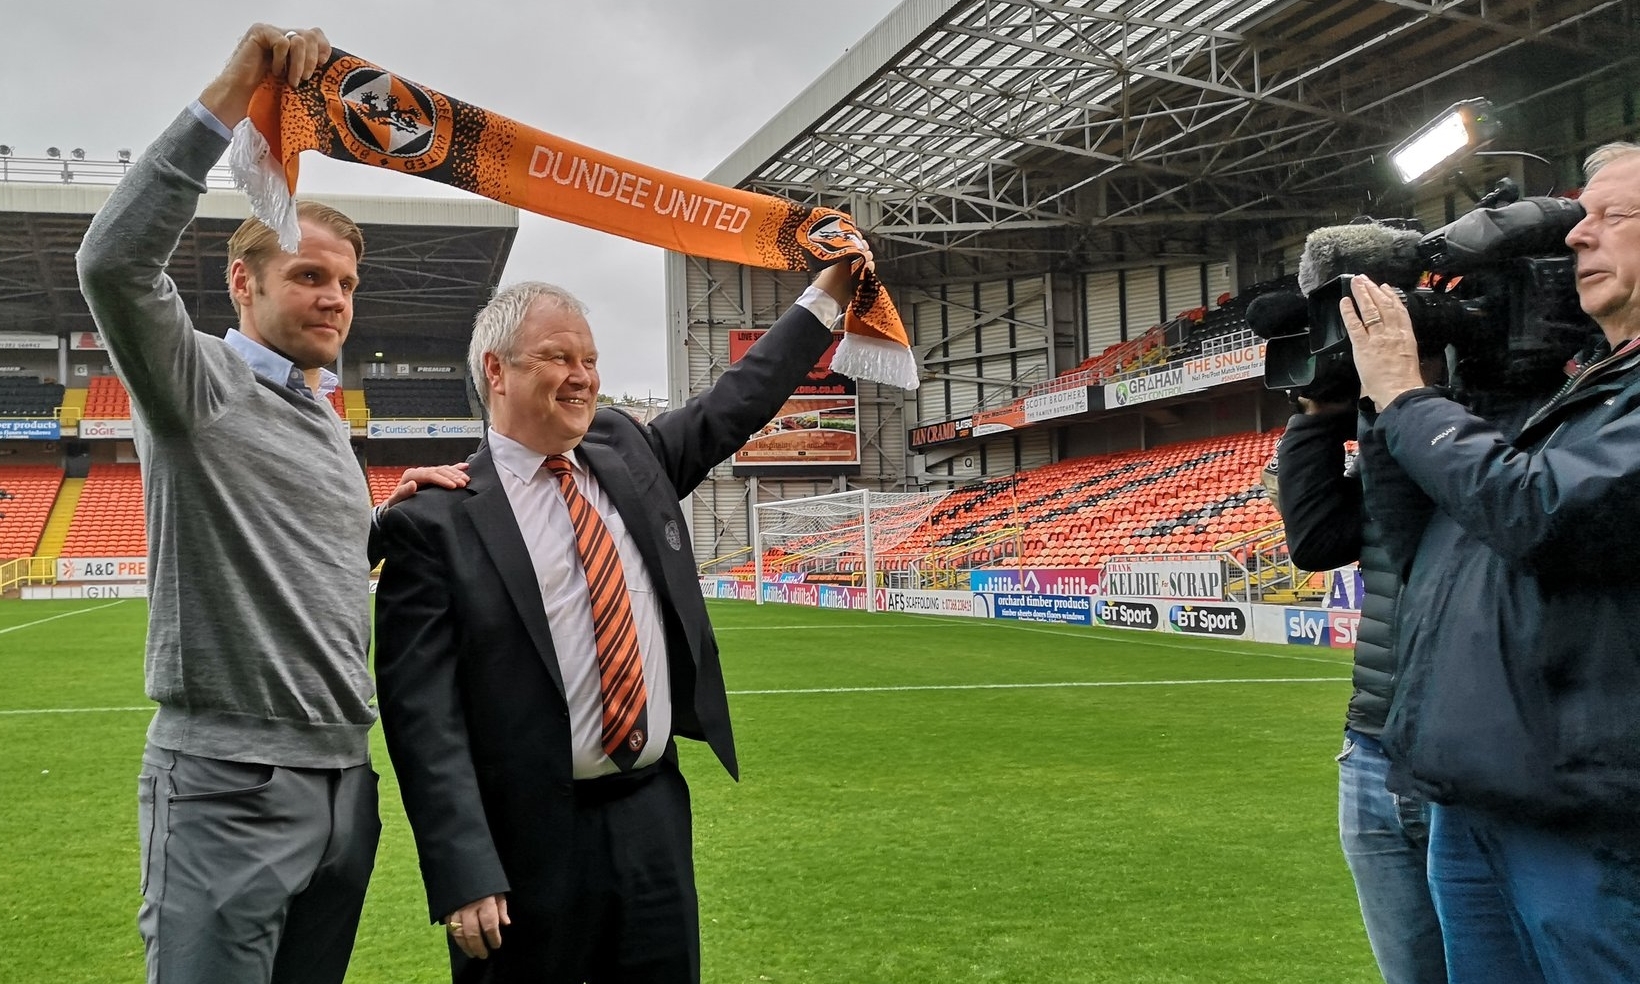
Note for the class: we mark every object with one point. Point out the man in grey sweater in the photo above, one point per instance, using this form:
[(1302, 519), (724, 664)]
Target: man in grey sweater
[(257, 802)]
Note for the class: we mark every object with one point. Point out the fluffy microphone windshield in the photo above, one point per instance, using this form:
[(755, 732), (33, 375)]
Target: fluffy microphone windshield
[(1386, 255), (1278, 314)]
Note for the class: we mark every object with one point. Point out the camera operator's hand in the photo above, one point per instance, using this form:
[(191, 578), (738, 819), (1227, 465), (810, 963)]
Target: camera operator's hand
[(1386, 353)]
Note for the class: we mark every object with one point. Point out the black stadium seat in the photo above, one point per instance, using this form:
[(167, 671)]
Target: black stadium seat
[(417, 399), (29, 396)]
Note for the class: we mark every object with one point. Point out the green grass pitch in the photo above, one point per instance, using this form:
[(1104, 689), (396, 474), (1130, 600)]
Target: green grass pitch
[(923, 800)]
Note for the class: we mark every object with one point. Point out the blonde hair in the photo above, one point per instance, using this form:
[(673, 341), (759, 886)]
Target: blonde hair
[(254, 242), (1606, 154)]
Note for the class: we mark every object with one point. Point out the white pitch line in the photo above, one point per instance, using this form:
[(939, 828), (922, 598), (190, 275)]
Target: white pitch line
[(1034, 686), (53, 618), (76, 710), (860, 690), (824, 625)]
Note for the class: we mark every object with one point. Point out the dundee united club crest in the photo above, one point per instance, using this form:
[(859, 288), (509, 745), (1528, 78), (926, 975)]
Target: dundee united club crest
[(387, 121), (830, 237)]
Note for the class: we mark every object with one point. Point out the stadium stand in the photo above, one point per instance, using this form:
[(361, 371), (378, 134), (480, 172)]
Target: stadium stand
[(1180, 498), (383, 479), (109, 519), (29, 396), (26, 495), (106, 399), (417, 399)]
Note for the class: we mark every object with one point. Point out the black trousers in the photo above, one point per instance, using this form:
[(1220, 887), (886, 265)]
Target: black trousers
[(633, 915)]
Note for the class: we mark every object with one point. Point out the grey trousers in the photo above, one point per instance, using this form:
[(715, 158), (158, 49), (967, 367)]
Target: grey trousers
[(252, 874)]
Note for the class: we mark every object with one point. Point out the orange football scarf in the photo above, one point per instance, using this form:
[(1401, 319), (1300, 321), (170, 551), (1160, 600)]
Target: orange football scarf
[(355, 111)]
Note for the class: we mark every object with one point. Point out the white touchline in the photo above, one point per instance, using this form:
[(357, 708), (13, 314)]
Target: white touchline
[(53, 618), (77, 710), (862, 690), (1034, 686)]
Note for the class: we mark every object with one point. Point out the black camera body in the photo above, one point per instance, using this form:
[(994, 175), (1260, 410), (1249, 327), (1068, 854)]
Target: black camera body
[(1496, 290)]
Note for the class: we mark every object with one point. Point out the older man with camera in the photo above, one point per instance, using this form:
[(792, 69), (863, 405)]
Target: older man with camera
[(1518, 706)]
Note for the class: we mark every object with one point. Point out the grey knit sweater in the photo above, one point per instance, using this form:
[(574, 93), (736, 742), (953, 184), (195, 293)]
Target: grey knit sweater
[(258, 514)]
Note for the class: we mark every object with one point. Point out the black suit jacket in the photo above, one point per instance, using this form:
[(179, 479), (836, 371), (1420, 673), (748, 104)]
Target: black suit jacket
[(472, 700)]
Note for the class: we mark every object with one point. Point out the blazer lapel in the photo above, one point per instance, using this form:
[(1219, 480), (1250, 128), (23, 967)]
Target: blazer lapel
[(492, 516), (615, 478)]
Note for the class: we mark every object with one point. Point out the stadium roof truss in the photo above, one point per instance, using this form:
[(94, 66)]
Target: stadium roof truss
[(1032, 134)]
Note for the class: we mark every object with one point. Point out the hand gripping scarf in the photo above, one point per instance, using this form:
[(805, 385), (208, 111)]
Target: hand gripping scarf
[(355, 111)]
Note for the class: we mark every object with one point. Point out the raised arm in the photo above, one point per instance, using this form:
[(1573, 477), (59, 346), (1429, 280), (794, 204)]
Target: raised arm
[(123, 258), (691, 440)]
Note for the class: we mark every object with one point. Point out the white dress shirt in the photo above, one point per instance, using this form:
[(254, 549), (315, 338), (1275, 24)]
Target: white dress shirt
[(549, 536)]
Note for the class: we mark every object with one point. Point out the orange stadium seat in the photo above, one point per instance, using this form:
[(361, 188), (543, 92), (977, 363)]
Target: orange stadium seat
[(106, 399), (1182, 498), (108, 522), (26, 495), (383, 480), (109, 519)]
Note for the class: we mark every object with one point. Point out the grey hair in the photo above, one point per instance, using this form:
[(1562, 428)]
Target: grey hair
[(1606, 154), (495, 329)]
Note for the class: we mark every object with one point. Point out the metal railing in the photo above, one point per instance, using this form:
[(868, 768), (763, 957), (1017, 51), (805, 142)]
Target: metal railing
[(68, 169), (27, 571)]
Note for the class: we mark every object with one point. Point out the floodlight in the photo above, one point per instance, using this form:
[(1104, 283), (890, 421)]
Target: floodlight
[(78, 153), (5, 150), (53, 152), (1464, 128), (125, 155)]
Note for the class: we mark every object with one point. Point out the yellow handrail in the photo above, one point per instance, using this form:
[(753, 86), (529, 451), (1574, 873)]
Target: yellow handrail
[(27, 570)]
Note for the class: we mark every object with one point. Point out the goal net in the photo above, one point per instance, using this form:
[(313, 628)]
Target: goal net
[(841, 538)]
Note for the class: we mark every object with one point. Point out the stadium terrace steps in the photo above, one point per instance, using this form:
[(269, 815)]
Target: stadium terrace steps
[(109, 519), (26, 495), (73, 405), (62, 515)]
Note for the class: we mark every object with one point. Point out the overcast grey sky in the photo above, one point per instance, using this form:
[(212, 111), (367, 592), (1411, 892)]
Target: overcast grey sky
[(677, 84)]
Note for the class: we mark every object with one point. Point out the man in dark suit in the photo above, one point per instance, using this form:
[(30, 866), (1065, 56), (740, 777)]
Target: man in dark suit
[(541, 640)]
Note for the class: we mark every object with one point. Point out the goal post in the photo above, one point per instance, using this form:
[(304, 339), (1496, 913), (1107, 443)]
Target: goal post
[(842, 536)]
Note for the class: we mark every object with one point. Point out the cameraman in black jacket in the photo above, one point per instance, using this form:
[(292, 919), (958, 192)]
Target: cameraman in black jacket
[(1518, 706), (1385, 837)]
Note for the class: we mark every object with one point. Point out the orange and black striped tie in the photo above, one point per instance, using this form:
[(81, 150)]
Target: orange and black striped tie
[(620, 665)]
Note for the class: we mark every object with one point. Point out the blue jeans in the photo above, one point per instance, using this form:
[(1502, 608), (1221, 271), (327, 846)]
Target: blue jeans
[(1386, 839), (1528, 903)]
